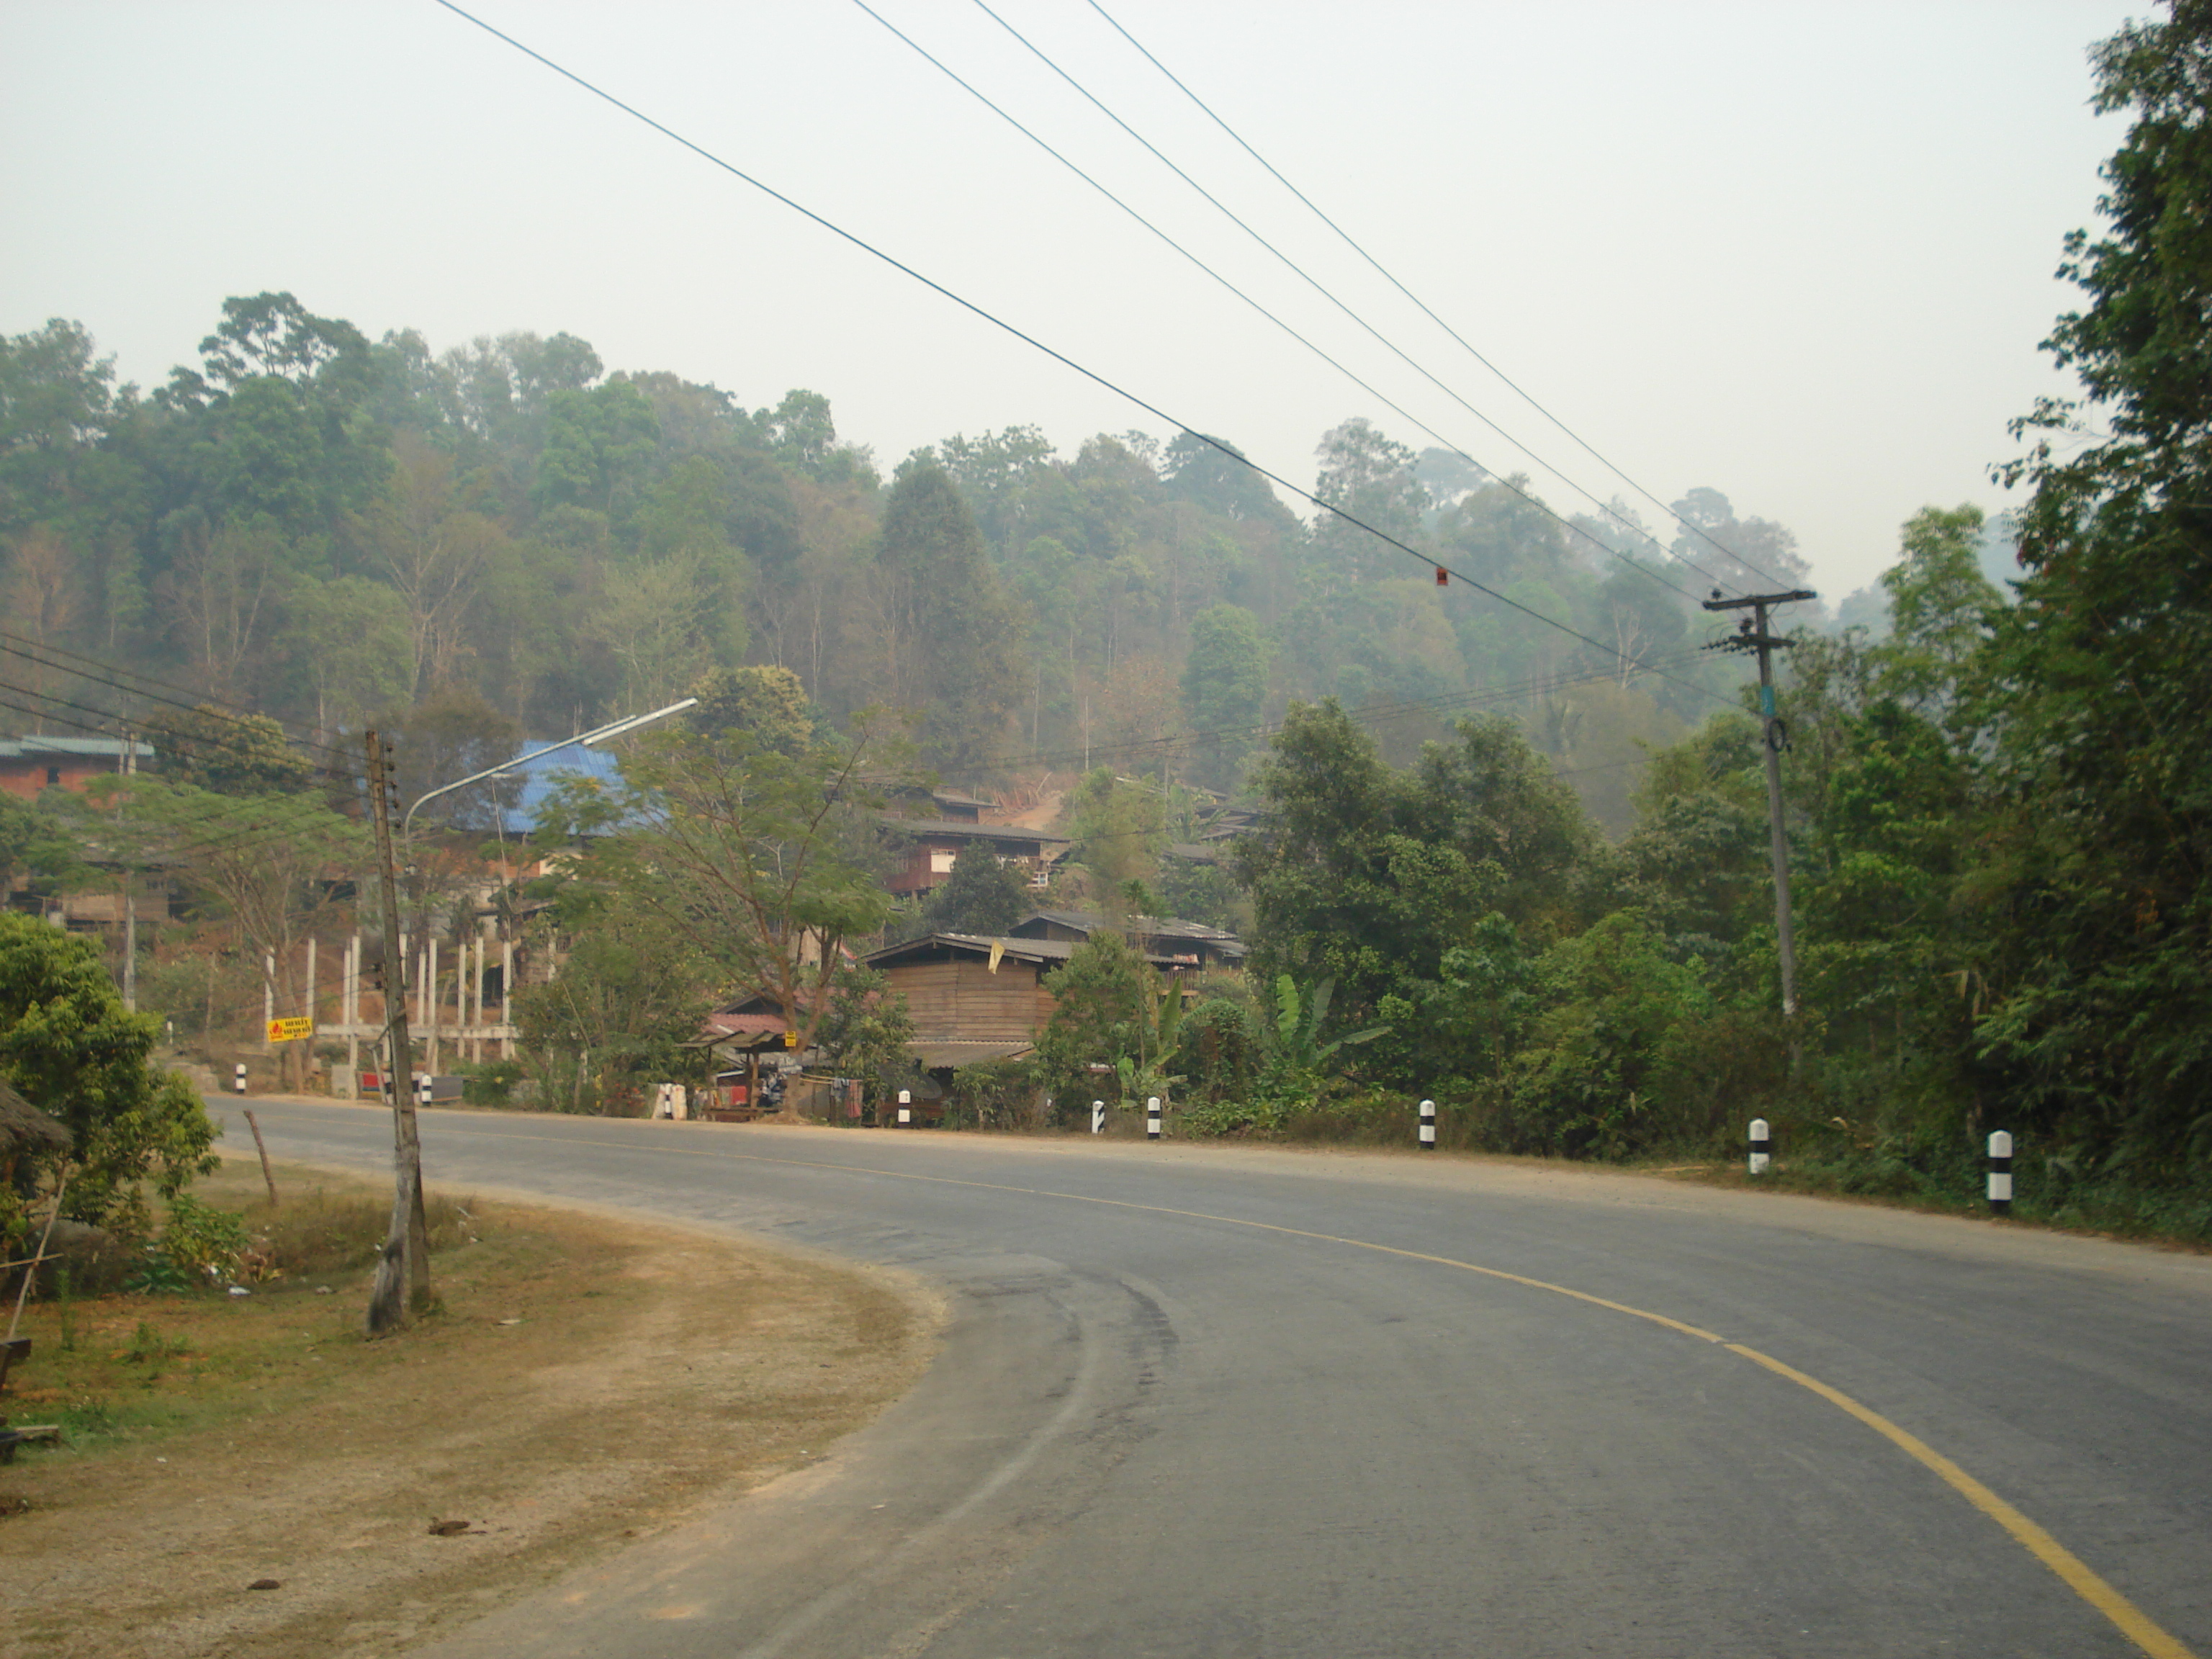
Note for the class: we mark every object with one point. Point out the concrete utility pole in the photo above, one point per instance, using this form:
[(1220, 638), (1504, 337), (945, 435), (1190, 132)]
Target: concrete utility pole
[(1751, 635), (404, 1270)]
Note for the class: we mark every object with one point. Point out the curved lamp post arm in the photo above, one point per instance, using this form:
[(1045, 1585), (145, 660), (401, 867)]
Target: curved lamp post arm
[(597, 734)]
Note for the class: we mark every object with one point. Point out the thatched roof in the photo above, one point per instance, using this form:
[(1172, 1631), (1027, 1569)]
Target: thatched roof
[(23, 1124)]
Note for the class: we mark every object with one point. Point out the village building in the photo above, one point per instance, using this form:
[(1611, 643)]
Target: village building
[(28, 765), (927, 847), (1185, 944)]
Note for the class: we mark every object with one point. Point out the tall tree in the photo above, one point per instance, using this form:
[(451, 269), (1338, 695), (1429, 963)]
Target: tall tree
[(2104, 668), (960, 636), (1225, 689)]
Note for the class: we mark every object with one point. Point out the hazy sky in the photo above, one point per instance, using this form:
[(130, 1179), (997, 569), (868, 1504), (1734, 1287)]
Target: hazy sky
[(1800, 252)]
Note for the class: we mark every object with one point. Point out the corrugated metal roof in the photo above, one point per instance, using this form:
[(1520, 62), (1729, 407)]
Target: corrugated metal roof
[(932, 1056), (85, 748), (952, 827), (548, 772)]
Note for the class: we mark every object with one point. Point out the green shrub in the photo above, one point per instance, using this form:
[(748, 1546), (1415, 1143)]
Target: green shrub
[(491, 1083)]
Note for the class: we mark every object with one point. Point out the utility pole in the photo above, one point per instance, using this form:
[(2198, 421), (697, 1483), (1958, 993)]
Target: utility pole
[(1751, 635), (404, 1270), (129, 765)]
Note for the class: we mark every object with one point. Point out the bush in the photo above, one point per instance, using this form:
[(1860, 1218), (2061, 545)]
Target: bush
[(491, 1083), (202, 1242)]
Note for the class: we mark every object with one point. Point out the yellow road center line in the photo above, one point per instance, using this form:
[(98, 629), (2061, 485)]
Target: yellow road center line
[(2130, 1621), (2134, 1624)]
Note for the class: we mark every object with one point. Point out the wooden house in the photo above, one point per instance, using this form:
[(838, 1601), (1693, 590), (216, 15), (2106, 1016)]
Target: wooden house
[(926, 848), (1186, 945)]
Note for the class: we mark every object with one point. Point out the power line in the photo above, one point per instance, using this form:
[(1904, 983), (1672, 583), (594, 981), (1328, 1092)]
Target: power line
[(1391, 345), (84, 667), (1694, 529), (1370, 390), (1092, 376), (1175, 743)]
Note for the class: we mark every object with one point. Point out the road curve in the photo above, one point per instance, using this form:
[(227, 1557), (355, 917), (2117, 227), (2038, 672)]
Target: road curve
[(1229, 1402)]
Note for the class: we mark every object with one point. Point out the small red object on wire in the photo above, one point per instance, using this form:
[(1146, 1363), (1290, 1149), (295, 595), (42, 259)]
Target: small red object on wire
[(1443, 577)]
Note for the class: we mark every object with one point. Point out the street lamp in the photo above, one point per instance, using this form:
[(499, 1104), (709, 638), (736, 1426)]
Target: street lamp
[(597, 734)]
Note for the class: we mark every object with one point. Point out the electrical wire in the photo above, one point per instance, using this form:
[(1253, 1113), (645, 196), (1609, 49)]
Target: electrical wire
[(995, 321), (83, 667), (1364, 386), (1182, 744), (1626, 524), (1528, 398)]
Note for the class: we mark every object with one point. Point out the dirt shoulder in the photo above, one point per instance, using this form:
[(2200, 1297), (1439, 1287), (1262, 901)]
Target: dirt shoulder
[(590, 1381)]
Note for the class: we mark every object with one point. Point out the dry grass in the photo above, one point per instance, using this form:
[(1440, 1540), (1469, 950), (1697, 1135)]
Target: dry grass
[(586, 1381)]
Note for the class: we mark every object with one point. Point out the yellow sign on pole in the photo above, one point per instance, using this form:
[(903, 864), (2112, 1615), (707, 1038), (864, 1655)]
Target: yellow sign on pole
[(290, 1030)]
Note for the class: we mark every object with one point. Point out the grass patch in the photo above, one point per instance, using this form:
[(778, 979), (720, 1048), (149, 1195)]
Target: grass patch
[(585, 1380), (121, 1371)]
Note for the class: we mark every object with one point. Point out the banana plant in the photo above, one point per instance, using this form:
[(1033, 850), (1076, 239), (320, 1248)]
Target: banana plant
[(1298, 1019)]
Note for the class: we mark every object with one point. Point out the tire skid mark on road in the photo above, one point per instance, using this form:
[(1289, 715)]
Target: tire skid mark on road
[(2076, 1574)]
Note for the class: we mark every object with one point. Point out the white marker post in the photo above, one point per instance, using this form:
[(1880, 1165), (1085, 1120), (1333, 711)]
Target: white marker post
[(238, 1079), (1153, 1117), (1098, 1117), (2000, 1172), (906, 1108), (1759, 1143), (421, 1089), (1428, 1126)]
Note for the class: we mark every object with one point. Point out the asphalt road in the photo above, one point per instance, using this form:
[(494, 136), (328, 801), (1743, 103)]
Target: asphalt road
[(1228, 1401)]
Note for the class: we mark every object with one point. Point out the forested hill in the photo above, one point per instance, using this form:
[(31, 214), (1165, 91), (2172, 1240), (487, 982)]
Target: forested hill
[(327, 528)]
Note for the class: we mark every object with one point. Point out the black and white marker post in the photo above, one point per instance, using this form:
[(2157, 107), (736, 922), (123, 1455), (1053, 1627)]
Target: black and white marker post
[(1098, 1117), (906, 1109), (1152, 1117), (422, 1089), (1428, 1126), (1758, 1159), (2001, 1172), (237, 1078)]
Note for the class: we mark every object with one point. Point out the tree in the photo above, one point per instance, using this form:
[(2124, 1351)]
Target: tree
[(959, 635), (622, 1011), (434, 548), (867, 1030), (1224, 689), (767, 859), (1368, 876), (209, 748), (67, 1046), (1942, 609), (981, 896), (768, 703), (1371, 477), (2102, 1008), (1121, 829), (274, 865), (31, 842), (1104, 1011)]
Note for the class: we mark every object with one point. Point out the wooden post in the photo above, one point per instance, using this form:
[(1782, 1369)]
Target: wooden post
[(403, 1272), (262, 1147), (350, 1003)]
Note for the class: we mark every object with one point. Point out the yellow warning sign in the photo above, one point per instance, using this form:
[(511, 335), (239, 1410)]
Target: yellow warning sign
[(290, 1030)]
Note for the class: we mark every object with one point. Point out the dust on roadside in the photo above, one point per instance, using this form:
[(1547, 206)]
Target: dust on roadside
[(648, 1376)]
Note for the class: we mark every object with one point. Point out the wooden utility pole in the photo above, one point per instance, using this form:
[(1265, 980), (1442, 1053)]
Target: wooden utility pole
[(1751, 635), (129, 765), (403, 1273)]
